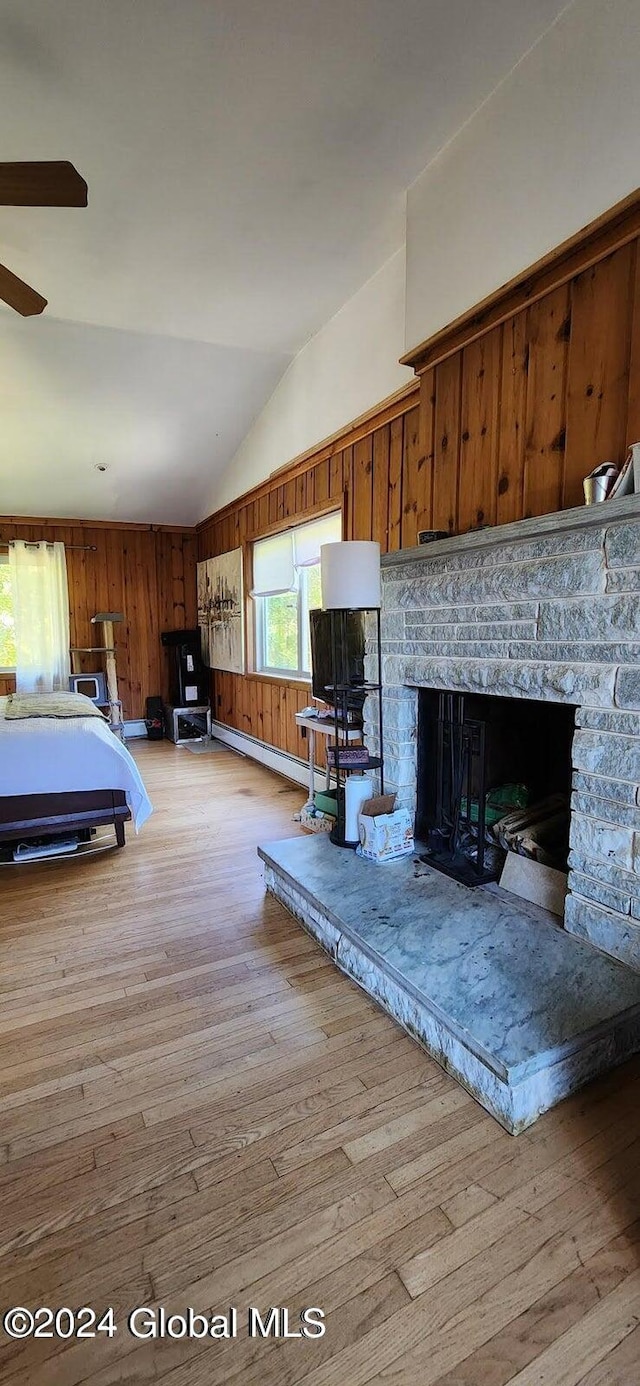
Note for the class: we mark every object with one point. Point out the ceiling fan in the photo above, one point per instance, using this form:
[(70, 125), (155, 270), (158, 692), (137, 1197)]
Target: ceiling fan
[(51, 184)]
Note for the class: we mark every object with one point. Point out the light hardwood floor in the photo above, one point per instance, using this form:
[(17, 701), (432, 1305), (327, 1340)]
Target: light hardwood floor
[(198, 1109)]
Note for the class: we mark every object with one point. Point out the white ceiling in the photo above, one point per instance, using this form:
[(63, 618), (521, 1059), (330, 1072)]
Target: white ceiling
[(246, 163)]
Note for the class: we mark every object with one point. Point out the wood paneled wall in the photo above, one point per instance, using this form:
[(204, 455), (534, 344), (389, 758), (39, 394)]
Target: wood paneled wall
[(148, 574), (515, 420), (362, 474), (517, 402)]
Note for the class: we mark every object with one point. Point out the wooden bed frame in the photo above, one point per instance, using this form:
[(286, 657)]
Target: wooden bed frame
[(24, 816)]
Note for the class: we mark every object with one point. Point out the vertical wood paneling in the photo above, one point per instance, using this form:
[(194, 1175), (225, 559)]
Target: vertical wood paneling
[(189, 560), (380, 523), (336, 476), (290, 509), (424, 513), (83, 632), (396, 453), (241, 689), (347, 491), (446, 447), (285, 721), (148, 575), (321, 484), (598, 368), (115, 576), (480, 398), (301, 493), (230, 694), (279, 730), (262, 514), (363, 488), (545, 421), (255, 710), (267, 718), (242, 529), (633, 409), (412, 479), (511, 420)]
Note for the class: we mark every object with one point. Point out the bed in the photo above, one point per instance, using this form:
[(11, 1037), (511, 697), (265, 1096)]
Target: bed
[(61, 772)]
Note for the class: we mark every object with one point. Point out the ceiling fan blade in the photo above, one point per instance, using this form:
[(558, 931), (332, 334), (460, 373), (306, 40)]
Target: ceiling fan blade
[(19, 295), (51, 184)]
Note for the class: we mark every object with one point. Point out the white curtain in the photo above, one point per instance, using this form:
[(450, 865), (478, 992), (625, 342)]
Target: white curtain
[(41, 616), (276, 560), (308, 539), (273, 565)]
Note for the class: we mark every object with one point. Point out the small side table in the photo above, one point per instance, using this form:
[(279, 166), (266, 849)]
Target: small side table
[(327, 727)]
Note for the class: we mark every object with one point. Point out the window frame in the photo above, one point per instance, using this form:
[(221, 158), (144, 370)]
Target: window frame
[(261, 668)]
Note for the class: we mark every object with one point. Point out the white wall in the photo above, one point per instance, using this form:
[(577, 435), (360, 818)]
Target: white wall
[(348, 367), (553, 147), (557, 144)]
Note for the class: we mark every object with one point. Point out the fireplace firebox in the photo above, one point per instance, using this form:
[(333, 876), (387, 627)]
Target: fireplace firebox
[(494, 774)]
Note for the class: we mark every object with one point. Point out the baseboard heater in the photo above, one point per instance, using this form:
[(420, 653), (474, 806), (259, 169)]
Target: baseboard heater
[(291, 767)]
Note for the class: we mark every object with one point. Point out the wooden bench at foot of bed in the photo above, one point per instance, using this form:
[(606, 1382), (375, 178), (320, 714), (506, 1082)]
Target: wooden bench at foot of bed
[(41, 815)]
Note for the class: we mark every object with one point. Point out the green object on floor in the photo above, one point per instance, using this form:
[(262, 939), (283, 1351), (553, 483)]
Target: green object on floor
[(326, 801)]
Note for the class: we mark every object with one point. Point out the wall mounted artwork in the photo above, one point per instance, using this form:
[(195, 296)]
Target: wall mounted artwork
[(221, 611)]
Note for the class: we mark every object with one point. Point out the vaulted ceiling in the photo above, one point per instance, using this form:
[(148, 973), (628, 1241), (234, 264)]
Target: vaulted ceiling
[(246, 162)]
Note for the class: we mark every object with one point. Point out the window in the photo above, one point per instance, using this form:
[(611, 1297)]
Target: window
[(7, 640), (286, 571)]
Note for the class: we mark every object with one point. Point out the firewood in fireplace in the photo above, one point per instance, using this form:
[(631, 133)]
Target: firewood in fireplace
[(539, 831)]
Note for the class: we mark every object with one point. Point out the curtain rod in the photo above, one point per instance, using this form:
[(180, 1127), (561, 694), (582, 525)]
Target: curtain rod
[(85, 548)]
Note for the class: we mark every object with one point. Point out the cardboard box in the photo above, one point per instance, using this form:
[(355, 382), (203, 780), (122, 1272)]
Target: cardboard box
[(382, 803), (385, 836)]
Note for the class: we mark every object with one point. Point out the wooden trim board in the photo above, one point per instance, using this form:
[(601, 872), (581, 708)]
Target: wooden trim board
[(615, 228)]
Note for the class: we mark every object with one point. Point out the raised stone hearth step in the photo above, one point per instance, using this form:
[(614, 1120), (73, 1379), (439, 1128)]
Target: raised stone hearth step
[(519, 1011)]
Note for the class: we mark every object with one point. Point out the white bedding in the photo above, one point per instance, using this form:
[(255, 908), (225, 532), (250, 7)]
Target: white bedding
[(49, 755)]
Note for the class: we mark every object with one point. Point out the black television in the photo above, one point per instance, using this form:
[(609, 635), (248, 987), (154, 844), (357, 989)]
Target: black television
[(349, 644)]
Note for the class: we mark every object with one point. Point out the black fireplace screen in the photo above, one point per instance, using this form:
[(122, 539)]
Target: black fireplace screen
[(494, 774)]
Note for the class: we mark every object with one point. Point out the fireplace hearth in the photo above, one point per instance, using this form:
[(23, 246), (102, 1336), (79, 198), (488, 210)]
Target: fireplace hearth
[(519, 1011)]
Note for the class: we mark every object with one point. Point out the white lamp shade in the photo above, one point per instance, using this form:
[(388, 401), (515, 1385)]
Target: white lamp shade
[(350, 574)]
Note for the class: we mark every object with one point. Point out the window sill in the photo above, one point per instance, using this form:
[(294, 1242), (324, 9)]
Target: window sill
[(273, 676)]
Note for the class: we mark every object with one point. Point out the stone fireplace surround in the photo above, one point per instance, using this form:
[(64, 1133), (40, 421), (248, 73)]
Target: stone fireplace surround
[(545, 608), (521, 1011)]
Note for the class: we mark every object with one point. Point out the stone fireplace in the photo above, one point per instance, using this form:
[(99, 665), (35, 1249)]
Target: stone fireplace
[(546, 610), (533, 629)]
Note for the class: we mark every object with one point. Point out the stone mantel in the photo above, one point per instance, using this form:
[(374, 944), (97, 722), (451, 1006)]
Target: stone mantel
[(559, 522), (545, 608)]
